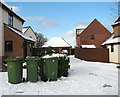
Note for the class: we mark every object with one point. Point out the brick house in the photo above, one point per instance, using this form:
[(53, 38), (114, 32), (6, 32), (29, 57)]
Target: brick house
[(113, 43), (16, 43), (13, 43), (94, 34)]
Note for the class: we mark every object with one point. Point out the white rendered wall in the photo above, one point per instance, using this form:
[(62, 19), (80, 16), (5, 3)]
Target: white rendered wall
[(17, 23), (113, 56), (118, 53), (1, 31), (1, 38), (30, 33)]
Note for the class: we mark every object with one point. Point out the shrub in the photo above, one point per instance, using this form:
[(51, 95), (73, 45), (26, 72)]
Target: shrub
[(63, 66)]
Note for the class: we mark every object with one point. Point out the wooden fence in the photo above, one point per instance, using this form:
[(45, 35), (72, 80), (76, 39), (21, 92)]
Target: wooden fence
[(92, 54), (38, 50)]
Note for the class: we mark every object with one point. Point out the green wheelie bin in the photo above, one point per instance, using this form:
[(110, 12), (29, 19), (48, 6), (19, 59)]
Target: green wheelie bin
[(14, 68), (50, 69), (32, 68)]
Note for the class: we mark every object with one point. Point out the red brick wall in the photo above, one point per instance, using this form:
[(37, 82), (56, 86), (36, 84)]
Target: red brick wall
[(17, 40), (29, 53), (77, 41), (116, 30), (96, 29), (17, 43)]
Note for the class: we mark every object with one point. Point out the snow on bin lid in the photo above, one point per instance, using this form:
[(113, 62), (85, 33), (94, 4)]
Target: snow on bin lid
[(56, 42), (54, 55), (88, 46)]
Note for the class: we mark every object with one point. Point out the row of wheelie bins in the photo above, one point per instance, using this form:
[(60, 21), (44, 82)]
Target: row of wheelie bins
[(49, 69)]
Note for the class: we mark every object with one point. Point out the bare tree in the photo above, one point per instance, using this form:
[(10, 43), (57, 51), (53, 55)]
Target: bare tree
[(119, 8), (116, 9), (40, 40)]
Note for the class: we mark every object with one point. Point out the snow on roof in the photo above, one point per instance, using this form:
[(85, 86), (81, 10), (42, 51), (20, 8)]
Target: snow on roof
[(20, 33), (88, 46), (24, 30), (108, 40), (115, 40), (117, 19), (56, 42), (80, 29), (111, 40), (116, 23)]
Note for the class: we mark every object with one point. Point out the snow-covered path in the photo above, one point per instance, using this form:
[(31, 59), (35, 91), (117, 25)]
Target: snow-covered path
[(85, 78)]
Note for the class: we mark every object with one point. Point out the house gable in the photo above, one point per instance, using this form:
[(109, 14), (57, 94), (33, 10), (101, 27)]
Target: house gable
[(113, 43), (29, 32), (94, 34), (93, 26)]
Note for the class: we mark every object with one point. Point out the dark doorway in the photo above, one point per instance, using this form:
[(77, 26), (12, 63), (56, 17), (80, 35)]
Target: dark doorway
[(25, 48)]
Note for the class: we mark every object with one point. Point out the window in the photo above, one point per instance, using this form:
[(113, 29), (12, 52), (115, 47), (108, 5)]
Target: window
[(92, 37), (8, 46), (112, 48), (30, 47), (77, 30), (10, 19)]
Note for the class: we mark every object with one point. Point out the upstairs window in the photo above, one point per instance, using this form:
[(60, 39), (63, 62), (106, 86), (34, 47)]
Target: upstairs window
[(79, 31), (112, 48), (92, 37), (10, 20), (8, 46)]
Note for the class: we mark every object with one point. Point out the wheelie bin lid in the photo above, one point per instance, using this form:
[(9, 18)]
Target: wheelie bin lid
[(11, 59), (53, 56), (30, 58)]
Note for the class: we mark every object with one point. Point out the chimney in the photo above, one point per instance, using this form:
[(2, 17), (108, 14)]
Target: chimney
[(116, 28)]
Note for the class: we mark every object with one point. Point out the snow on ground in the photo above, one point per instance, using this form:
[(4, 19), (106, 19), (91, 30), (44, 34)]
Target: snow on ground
[(85, 78)]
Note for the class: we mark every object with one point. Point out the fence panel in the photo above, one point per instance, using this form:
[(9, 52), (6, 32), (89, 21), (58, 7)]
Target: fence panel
[(92, 54)]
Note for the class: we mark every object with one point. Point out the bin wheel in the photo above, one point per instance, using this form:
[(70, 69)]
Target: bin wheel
[(50, 79), (43, 78), (23, 80)]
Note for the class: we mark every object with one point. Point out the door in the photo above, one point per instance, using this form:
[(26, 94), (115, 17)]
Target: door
[(25, 48)]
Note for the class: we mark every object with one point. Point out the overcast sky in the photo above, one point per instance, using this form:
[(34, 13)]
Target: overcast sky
[(61, 19)]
